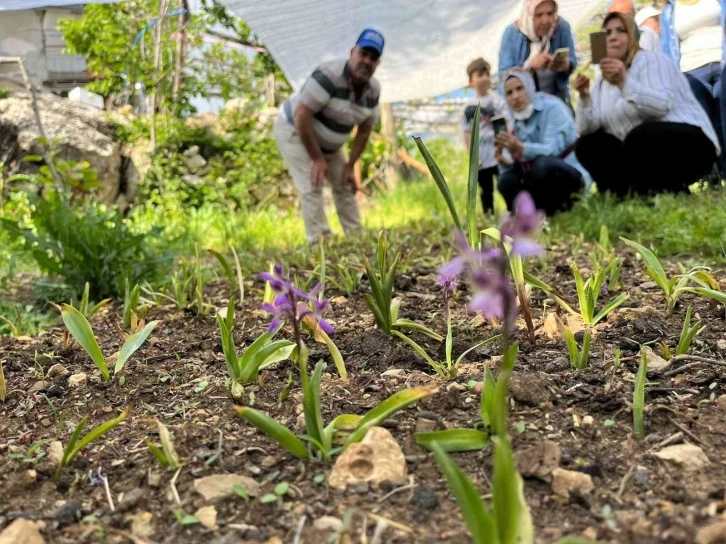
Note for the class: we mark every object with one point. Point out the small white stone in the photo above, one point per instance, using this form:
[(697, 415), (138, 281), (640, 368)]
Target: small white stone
[(587, 421), (78, 381)]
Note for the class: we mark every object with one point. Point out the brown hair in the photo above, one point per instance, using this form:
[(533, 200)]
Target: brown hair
[(476, 66), (629, 22)]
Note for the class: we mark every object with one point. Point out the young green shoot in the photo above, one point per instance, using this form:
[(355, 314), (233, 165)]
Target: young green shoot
[(588, 293), (76, 443), (133, 315), (202, 307), (579, 358), (234, 277), (380, 302), (166, 455), (639, 397), (688, 333), (81, 330)]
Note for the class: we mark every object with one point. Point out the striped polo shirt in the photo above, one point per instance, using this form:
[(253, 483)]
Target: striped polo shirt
[(329, 93)]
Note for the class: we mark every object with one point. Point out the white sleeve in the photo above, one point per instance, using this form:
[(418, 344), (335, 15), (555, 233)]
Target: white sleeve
[(651, 85)]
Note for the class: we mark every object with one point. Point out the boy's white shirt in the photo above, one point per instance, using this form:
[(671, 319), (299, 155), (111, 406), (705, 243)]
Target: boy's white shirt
[(491, 105)]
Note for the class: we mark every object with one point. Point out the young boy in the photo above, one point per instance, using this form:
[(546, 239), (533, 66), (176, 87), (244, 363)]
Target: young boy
[(491, 105)]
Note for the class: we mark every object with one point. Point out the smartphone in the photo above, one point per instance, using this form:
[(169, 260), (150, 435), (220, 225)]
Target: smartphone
[(561, 54), (500, 124), (598, 46)]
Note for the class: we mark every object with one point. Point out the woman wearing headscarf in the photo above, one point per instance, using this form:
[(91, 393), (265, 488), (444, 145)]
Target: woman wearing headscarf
[(642, 129), (692, 35), (530, 42), (540, 147)]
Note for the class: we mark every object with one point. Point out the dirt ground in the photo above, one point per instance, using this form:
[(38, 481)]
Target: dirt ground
[(179, 378)]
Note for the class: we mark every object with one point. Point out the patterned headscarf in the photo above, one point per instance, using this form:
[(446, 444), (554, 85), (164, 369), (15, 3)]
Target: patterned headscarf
[(525, 24), (630, 28)]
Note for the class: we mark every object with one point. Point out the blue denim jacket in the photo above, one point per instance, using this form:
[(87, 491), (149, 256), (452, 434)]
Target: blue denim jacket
[(669, 37), (549, 132), (515, 47)]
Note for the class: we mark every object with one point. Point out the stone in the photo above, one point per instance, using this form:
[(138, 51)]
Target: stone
[(141, 525), (655, 361), (37, 387), (587, 421), (568, 482), (540, 460), (55, 452), (721, 344), (648, 285), (328, 523), (425, 498), (687, 456), (221, 486), (30, 476), (558, 364), (721, 401), (21, 531), (78, 381), (531, 389), (376, 458), (712, 534), (57, 370), (130, 499), (424, 425), (394, 373), (207, 516), (154, 479), (195, 163), (641, 478), (69, 513)]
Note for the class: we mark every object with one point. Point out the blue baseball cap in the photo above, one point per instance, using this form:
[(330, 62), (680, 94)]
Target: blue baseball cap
[(371, 38)]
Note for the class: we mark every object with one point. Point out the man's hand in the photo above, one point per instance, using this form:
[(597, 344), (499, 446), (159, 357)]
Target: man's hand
[(499, 156), (613, 71), (582, 86), (540, 61), (349, 177), (319, 172), (560, 64), (509, 141)]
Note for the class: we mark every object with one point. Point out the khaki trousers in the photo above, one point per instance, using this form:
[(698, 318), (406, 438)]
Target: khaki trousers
[(300, 165)]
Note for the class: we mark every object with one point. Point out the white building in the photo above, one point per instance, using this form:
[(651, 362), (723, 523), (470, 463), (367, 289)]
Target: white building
[(29, 29)]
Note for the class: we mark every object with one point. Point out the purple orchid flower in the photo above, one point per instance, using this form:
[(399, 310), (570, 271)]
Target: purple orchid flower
[(523, 226), (292, 303)]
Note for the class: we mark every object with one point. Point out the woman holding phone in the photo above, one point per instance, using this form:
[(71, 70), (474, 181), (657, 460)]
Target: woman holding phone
[(541, 42), (692, 35), (641, 107), (540, 147)]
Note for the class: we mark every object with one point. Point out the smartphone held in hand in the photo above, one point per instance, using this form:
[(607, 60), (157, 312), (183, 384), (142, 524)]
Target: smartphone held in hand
[(500, 124), (598, 46), (561, 54)]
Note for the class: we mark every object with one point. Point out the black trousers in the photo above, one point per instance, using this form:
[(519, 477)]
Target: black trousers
[(486, 188), (655, 157), (552, 183)]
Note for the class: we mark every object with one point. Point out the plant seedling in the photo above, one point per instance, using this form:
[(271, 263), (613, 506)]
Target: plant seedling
[(639, 397), (688, 333), (133, 315), (579, 358), (76, 443), (234, 277), (81, 330), (280, 491), (166, 455)]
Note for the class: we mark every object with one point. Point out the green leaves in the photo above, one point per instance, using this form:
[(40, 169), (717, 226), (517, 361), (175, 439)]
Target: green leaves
[(76, 444), (588, 293), (453, 440), (639, 397), (652, 265), (688, 333), (282, 435), (578, 358), (473, 181), (81, 330), (167, 455)]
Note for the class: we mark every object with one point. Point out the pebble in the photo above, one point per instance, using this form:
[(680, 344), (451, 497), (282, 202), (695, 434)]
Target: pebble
[(141, 526), (57, 370), (69, 513), (253, 469), (455, 386), (687, 456), (425, 498), (587, 421), (78, 380), (207, 516), (154, 479), (328, 523), (21, 531), (559, 364), (394, 373), (269, 461), (424, 425), (37, 387), (31, 476), (130, 499), (45, 422), (721, 344), (648, 285), (222, 485), (568, 482), (55, 452), (641, 478), (530, 389), (721, 401)]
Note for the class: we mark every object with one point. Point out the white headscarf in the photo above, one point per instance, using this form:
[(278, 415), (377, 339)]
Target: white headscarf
[(525, 24)]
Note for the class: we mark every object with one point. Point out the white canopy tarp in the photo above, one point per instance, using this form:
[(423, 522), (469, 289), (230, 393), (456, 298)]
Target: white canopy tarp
[(428, 42), (16, 5)]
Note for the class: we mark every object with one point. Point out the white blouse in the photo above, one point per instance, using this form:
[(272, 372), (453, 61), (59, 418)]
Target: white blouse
[(699, 30), (655, 90)]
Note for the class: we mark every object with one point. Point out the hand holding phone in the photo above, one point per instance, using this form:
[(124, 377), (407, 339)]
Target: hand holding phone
[(500, 124), (598, 46)]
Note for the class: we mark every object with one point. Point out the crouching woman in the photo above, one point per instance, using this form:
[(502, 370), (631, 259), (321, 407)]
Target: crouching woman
[(643, 131), (541, 160)]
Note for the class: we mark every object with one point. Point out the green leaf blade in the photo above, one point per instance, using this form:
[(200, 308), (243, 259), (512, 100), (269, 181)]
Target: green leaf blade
[(80, 329)]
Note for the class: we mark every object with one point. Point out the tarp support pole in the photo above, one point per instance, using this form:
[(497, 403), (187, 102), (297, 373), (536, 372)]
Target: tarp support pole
[(388, 130)]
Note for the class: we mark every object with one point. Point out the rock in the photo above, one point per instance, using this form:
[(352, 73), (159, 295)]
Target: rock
[(424, 425), (130, 499), (57, 370), (686, 456), (221, 486), (377, 458), (721, 401), (328, 523), (530, 389), (648, 285), (154, 479), (55, 452), (712, 534), (69, 513), (641, 478), (455, 386), (141, 526), (558, 364), (83, 134), (207, 516), (567, 482), (540, 460), (425, 498), (587, 421), (78, 381), (394, 373), (21, 531), (37, 387), (30, 476), (655, 361), (721, 344)]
